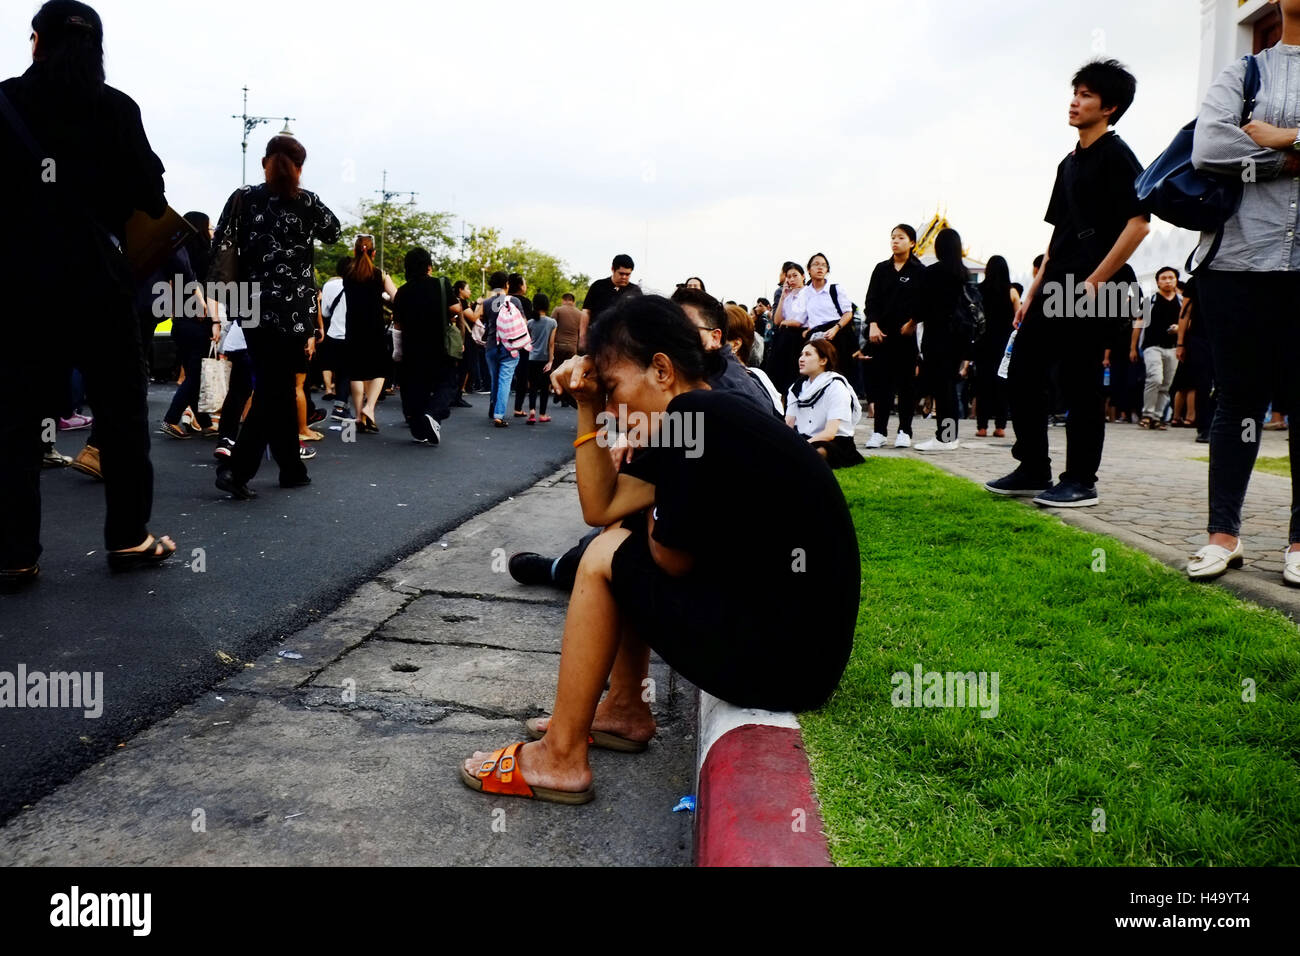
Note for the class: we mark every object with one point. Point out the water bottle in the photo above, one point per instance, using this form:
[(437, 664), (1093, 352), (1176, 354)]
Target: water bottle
[(1006, 355), (1105, 377)]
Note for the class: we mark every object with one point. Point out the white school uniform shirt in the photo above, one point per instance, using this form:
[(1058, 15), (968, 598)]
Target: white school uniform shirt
[(838, 402), (820, 307), (794, 307), (339, 317)]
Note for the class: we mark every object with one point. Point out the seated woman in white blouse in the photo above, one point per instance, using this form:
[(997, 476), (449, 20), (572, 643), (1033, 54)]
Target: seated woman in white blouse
[(822, 407)]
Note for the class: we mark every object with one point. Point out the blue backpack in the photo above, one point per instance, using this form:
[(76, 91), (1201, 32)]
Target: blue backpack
[(1173, 189)]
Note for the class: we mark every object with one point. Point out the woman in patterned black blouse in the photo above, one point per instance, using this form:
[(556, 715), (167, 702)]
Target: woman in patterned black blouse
[(271, 227)]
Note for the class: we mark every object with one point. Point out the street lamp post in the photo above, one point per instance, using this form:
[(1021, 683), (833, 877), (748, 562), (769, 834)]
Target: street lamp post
[(388, 194), (251, 123)]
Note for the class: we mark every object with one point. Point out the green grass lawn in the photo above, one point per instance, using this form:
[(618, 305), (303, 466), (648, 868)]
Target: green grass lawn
[(1273, 466), (1119, 690)]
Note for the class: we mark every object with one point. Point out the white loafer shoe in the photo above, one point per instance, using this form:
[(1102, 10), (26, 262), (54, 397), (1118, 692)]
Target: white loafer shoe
[(1291, 570), (903, 440), (876, 440), (934, 444), (1212, 561)]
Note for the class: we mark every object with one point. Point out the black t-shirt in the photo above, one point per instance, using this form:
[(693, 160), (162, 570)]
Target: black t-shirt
[(804, 550), (735, 379), (891, 294), (1164, 316), (1092, 201), (418, 308), (603, 295)]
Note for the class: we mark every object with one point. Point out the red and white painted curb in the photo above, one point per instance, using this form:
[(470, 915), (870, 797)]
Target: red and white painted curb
[(754, 800)]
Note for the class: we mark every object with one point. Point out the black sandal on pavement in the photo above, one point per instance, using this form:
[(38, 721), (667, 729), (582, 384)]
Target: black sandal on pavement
[(155, 551)]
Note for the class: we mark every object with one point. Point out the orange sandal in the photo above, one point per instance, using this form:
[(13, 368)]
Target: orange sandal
[(501, 774)]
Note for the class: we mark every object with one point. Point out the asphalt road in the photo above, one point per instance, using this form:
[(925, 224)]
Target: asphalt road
[(163, 635)]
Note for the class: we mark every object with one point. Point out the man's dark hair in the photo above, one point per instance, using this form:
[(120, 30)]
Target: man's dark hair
[(542, 302), (568, 297), (497, 280), (1112, 83), (1163, 269), (763, 301), (1020, 289), (342, 266), (1038, 261), (514, 283), (710, 309), (417, 263), (622, 261)]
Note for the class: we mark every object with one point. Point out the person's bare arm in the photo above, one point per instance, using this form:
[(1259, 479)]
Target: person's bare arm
[(1184, 320), (1133, 345), (582, 331), (828, 433), (605, 495), (1032, 292)]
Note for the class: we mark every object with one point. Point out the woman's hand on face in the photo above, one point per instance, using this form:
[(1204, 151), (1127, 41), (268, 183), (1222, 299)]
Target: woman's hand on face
[(577, 378)]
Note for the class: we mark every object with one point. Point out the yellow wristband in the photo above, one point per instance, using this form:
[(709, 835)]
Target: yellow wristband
[(583, 439)]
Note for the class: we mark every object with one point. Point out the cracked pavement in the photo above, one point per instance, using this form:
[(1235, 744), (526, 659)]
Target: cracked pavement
[(348, 755)]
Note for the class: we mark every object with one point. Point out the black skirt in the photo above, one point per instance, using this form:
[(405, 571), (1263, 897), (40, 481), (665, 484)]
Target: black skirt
[(841, 452)]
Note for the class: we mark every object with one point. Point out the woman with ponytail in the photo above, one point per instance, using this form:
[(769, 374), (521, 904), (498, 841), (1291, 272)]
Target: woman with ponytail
[(364, 286), (76, 163), (264, 240)]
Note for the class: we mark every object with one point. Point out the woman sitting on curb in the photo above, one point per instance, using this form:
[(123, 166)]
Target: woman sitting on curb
[(822, 407), (655, 578)]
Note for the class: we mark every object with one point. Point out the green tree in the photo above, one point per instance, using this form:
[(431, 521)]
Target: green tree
[(476, 257), (397, 230)]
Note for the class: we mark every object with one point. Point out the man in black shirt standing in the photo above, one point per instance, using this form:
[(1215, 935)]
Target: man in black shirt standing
[(604, 293), (1083, 289), (1159, 347)]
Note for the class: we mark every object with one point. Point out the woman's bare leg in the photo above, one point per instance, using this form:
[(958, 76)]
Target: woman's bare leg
[(592, 635), (373, 389), (300, 383), (358, 397)]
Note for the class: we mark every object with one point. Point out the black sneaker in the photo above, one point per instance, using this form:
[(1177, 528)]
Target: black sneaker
[(1069, 494), (461, 403), (1018, 485), (340, 413), (225, 447), (295, 482), (529, 567), (226, 482), (1202, 439), (317, 415)]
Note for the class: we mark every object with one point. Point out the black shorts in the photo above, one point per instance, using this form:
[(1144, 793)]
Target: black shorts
[(841, 452), (738, 650)]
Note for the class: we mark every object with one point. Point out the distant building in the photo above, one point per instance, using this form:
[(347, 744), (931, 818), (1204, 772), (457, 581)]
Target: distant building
[(1233, 28)]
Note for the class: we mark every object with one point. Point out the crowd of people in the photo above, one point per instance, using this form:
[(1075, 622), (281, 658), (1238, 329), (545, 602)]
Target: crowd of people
[(782, 386)]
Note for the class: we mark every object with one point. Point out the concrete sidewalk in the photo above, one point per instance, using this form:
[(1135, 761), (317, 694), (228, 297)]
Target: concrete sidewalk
[(1154, 497), (349, 755)]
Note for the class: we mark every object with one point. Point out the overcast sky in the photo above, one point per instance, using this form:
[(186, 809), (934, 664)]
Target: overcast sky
[(706, 138)]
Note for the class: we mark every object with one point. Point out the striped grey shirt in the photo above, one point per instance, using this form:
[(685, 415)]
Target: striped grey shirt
[(1261, 235)]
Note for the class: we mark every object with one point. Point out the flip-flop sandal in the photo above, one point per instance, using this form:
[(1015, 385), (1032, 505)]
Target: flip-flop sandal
[(500, 774), (13, 580), (597, 738), (126, 560)]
